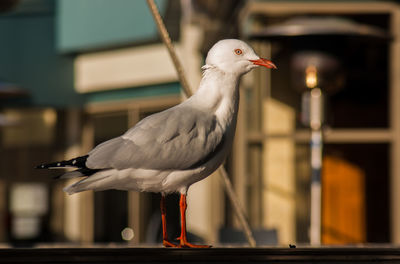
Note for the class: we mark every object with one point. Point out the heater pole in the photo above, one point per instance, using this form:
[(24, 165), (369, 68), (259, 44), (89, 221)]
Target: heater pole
[(316, 117)]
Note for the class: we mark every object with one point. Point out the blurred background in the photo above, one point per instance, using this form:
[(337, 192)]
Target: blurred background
[(74, 73)]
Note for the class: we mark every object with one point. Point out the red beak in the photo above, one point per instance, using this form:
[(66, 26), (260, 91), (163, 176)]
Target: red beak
[(264, 62)]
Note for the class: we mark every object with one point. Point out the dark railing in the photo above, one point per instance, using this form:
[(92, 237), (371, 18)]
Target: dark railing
[(366, 254)]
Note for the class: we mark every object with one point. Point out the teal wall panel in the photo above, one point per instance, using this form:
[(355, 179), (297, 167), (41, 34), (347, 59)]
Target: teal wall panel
[(28, 57), (97, 24)]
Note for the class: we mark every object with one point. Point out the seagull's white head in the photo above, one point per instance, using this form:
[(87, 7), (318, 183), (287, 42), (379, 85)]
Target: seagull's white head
[(235, 56)]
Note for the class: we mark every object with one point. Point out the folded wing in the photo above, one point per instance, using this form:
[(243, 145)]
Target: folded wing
[(178, 138)]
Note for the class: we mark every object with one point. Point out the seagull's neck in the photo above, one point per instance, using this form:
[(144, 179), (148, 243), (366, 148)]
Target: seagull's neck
[(219, 93)]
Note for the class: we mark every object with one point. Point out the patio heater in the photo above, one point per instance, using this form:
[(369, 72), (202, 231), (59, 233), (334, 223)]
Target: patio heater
[(316, 74)]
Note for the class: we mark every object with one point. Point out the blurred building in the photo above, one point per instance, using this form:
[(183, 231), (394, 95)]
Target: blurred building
[(74, 73)]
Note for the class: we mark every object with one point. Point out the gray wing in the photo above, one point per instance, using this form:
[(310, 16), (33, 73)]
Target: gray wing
[(177, 138)]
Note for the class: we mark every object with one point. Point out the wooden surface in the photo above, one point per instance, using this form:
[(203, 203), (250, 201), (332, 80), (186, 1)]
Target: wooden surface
[(378, 254)]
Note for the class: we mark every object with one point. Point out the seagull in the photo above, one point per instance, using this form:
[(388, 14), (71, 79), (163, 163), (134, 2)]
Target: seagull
[(169, 151)]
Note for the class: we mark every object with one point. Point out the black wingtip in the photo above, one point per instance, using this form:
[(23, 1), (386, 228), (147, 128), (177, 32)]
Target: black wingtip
[(79, 162)]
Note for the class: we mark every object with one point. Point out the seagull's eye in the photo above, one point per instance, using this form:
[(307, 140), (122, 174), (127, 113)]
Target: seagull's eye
[(238, 51)]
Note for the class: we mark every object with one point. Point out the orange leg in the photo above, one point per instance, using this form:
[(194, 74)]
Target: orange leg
[(166, 242), (183, 237)]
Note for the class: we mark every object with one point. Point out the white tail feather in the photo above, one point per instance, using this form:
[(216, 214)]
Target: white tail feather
[(89, 183), (71, 174)]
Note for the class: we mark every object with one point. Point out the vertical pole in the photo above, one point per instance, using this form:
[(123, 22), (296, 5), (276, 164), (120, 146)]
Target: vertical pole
[(316, 164), (316, 153), (395, 127), (135, 218)]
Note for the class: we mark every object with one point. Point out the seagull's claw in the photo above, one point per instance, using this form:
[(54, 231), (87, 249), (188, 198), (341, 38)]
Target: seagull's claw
[(167, 243), (189, 245), (185, 244)]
